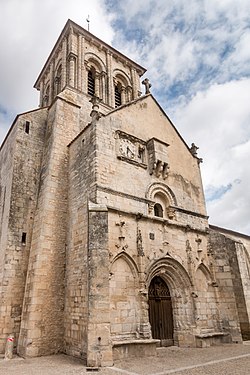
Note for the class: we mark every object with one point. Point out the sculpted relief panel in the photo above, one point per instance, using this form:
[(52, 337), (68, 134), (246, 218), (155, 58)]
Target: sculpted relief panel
[(131, 149), (151, 154)]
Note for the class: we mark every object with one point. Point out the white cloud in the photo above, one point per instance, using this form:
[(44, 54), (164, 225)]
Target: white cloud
[(218, 120), (28, 32)]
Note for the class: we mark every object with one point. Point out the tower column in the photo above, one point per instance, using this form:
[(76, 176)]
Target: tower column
[(123, 95), (99, 351), (79, 62), (103, 87), (51, 74), (110, 91), (41, 93), (97, 84), (64, 62), (135, 84), (72, 70)]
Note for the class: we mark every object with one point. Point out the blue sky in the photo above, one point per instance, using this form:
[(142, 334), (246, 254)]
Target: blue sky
[(198, 59)]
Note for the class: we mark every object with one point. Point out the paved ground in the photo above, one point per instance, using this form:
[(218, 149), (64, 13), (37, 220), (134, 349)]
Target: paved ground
[(220, 360)]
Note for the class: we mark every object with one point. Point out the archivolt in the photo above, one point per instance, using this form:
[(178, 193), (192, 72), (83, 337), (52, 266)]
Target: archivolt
[(159, 187), (95, 60), (172, 272), (121, 76)]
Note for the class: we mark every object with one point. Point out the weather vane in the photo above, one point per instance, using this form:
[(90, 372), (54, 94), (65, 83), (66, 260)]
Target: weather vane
[(88, 20)]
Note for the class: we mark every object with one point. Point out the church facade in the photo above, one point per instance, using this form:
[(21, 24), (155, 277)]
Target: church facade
[(105, 246)]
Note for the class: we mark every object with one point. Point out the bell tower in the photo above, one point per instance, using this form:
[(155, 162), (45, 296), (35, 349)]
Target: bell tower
[(91, 67)]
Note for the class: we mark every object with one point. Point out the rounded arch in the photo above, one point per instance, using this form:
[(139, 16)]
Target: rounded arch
[(120, 76), (58, 67), (91, 59), (96, 76), (158, 210), (46, 96), (131, 263), (58, 78), (159, 188), (122, 87)]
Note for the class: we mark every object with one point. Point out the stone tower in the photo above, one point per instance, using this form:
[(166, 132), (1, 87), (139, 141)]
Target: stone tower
[(104, 231)]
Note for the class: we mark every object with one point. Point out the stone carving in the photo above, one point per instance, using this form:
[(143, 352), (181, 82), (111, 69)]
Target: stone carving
[(147, 85), (95, 114), (190, 260), (140, 250), (193, 150), (189, 252), (121, 244), (199, 257), (131, 149), (127, 149), (171, 213), (158, 160), (211, 265), (158, 289)]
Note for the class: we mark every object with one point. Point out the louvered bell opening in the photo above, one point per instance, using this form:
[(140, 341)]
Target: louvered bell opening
[(118, 97), (91, 84)]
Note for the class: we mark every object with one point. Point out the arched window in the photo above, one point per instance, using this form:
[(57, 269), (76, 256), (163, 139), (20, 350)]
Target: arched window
[(158, 210), (58, 80), (91, 82), (118, 95), (46, 96)]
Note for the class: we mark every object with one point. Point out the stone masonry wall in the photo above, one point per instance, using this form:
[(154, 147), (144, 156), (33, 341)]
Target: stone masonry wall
[(143, 120), (99, 340), (29, 130), (174, 247), (81, 177), (43, 311), (241, 267), (6, 175), (229, 284)]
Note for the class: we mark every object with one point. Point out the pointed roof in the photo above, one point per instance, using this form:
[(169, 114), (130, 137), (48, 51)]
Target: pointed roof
[(90, 37)]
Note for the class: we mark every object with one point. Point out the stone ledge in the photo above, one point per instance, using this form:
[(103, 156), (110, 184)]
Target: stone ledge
[(134, 348), (135, 341), (204, 340), (211, 334)]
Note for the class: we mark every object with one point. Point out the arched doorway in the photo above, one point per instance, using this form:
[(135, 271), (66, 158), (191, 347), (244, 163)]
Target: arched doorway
[(160, 311)]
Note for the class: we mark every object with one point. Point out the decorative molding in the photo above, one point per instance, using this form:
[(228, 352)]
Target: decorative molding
[(131, 149), (123, 195), (158, 158), (160, 187)]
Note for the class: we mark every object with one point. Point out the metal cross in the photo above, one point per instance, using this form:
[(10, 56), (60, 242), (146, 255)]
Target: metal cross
[(88, 20)]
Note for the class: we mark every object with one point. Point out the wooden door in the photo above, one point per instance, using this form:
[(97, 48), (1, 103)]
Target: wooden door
[(160, 311)]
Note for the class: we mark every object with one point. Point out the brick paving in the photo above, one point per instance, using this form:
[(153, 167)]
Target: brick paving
[(220, 360)]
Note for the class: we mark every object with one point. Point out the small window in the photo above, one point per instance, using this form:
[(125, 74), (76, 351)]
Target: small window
[(158, 211), (118, 96), (91, 83), (24, 238), (27, 127)]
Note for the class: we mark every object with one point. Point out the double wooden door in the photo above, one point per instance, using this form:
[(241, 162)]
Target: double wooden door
[(160, 311)]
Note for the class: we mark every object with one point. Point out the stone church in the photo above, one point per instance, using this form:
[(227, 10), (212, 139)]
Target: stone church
[(105, 247)]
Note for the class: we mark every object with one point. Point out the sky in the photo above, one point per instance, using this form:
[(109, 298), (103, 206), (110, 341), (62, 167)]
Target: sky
[(197, 57)]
